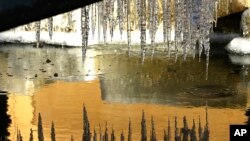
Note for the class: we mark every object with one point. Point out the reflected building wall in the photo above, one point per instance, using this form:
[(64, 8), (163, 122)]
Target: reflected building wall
[(164, 81)]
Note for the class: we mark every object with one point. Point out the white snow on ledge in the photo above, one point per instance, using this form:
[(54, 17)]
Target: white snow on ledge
[(75, 39), (239, 46)]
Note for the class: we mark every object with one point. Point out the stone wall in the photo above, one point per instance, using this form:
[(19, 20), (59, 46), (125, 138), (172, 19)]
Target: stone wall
[(227, 7)]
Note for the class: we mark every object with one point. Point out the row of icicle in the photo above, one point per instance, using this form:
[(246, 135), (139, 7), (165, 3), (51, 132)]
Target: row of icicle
[(190, 21), (180, 134)]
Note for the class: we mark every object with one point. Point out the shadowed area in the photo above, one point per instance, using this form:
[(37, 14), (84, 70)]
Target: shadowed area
[(14, 13), (4, 117)]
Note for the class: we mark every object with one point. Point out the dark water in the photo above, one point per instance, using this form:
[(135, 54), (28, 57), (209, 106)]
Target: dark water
[(115, 86)]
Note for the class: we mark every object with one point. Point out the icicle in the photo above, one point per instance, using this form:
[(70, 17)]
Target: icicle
[(143, 26), (104, 23), (69, 26), (150, 16), (177, 23), (154, 23), (50, 27), (216, 13), (111, 19), (38, 28), (169, 23), (164, 9), (120, 15), (99, 19), (93, 18), (186, 28), (128, 26), (85, 28), (138, 9)]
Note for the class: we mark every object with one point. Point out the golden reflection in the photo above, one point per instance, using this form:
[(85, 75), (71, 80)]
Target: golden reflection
[(62, 102), (20, 109)]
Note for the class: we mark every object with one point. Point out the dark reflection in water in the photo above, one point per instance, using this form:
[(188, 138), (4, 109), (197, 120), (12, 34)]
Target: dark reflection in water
[(164, 81), (248, 116), (4, 117)]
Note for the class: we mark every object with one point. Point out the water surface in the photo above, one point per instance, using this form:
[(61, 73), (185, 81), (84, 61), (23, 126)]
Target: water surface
[(115, 87)]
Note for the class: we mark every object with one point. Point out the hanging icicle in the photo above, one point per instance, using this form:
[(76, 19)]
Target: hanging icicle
[(164, 9), (104, 22), (120, 15), (169, 23), (85, 28), (38, 28), (93, 18), (138, 9), (69, 25), (154, 23), (111, 19), (143, 26), (99, 19), (128, 26), (50, 27)]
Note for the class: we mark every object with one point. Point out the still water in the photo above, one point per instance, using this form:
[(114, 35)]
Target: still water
[(114, 87)]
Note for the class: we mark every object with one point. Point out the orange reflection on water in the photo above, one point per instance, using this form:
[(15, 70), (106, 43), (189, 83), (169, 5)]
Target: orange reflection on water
[(62, 102)]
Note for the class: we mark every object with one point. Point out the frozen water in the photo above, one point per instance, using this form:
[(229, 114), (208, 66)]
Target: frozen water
[(178, 24)]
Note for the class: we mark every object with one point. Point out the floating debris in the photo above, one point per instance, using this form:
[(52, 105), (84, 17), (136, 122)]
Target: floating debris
[(55, 74), (48, 61)]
